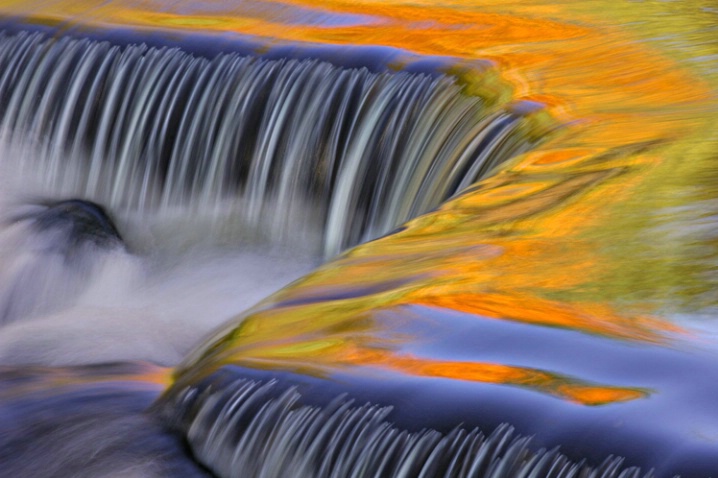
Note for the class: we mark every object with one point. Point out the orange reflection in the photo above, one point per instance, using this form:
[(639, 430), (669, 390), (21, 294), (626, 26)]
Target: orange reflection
[(528, 244), (561, 386), (519, 243), (596, 318), (33, 379)]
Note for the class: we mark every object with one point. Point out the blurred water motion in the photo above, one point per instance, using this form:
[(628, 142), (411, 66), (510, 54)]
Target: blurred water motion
[(571, 293)]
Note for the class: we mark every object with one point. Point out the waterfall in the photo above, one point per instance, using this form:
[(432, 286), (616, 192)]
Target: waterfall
[(294, 145), (263, 429), (285, 148), (532, 305)]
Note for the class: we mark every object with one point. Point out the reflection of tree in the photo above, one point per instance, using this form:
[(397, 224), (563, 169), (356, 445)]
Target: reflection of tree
[(573, 235), (660, 246)]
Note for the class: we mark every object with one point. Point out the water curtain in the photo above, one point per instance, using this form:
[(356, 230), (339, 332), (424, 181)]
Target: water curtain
[(353, 152)]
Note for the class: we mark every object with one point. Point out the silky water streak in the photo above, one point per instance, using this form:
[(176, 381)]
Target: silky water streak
[(559, 295), (228, 173), (294, 146), (197, 158)]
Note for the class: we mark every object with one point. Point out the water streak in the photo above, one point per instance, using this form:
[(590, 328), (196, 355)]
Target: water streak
[(262, 429), (354, 157), (290, 143)]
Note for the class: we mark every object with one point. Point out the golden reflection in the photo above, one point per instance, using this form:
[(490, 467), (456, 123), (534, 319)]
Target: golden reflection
[(560, 386), (556, 238), (551, 383), (38, 379)]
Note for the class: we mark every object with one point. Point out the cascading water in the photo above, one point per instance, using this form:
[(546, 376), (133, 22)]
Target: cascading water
[(209, 159), (234, 151), (295, 146), (263, 429), (536, 323)]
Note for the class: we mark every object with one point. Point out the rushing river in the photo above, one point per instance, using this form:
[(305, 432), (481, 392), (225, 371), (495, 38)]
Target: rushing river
[(358, 239)]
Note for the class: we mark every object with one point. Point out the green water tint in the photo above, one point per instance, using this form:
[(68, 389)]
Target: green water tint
[(568, 284), (642, 265), (683, 30), (625, 269), (659, 246)]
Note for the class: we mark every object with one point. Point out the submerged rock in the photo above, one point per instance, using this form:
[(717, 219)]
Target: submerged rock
[(50, 251), (73, 224)]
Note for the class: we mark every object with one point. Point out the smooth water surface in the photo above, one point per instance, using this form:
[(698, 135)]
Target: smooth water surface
[(570, 294)]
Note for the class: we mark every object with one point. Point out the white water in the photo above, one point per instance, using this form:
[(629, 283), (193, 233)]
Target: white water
[(228, 178), (132, 310), (178, 282), (300, 147)]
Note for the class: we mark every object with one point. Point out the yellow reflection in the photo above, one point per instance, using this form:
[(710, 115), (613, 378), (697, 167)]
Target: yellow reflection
[(553, 384), (528, 244), (31, 379), (561, 386), (537, 243)]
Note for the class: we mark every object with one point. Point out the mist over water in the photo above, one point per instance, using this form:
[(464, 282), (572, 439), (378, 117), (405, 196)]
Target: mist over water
[(227, 178), (128, 310), (151, 299)]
